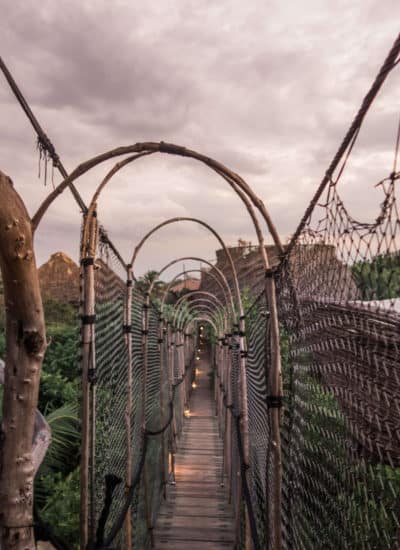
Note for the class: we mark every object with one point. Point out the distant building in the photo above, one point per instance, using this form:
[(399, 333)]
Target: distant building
[(190, 284), (326, 277), (59, 279)]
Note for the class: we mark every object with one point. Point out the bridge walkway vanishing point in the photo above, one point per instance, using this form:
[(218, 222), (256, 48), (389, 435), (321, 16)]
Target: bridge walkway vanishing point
[(197, 514)]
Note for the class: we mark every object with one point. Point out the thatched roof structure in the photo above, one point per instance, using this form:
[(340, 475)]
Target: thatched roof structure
[(59, 279)]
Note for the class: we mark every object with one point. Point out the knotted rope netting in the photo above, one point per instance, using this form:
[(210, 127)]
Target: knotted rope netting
[(339, 305)]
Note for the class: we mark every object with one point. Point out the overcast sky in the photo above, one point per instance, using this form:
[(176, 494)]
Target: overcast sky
[(266, 87)]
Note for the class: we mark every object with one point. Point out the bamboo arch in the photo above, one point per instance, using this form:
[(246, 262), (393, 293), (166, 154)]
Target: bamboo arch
[(250, 199), (209, 273), (196, 293), (181, 313), (212, 266), (175, 280)]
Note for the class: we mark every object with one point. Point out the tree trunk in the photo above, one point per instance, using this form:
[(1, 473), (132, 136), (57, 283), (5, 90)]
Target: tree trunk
[(25, 347)]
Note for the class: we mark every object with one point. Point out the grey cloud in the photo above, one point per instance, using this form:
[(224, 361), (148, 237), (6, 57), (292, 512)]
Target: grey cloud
[(268, 89)]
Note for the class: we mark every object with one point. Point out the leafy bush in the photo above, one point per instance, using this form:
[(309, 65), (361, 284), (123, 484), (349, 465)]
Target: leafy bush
[(60, 379), (57, 482), (62, 505), (378, 279), (2, 345), (59, 314)]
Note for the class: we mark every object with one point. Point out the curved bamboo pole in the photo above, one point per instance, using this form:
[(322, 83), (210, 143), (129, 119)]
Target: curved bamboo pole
[(243, 377), (147, 304), (203, 293), (216, 269), (211, 230), (170, 284), (195, 293), (273, 377), (88, 364), (145, 316), (139, 150), (184, 219), (204, 305), (237, 183), (221, 281), (129, 403), (198, 306), (202, 318), (179, 333), (210, 306), (145, 329)]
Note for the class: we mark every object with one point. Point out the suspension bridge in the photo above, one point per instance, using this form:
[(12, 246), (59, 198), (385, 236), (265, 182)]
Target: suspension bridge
[(214, 423)]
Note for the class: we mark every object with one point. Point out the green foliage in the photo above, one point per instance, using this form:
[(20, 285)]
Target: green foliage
[(250, 306), (2, 345), (56, 390), (63, 453), (62, 505), (339, 497), (378, 279), (2, 315), (57, 490), (59, 314), (374, 502), (65, 432), (57, 482), (59, 380), (144, 282)]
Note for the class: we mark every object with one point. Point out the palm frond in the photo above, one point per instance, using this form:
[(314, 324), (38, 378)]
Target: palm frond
[(65, 435)]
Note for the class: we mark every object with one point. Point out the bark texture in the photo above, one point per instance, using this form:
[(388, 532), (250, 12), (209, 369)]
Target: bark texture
[(25, 347)]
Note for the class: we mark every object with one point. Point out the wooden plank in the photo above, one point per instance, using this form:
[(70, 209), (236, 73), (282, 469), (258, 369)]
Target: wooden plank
[(194, 545), (196, 514)]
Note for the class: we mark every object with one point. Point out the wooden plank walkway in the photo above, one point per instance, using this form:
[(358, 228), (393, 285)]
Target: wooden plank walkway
[(196, 514)]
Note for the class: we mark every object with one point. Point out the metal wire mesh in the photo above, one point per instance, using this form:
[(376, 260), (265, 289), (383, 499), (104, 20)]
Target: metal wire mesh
[(258, 418), (235, 404), (116, 448), (109, 406), (108, 390)]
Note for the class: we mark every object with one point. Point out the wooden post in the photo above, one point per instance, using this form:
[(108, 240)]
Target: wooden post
[(244, 412), (128, 411), (228, 364), (25, 345), (223, 411), (162, 415), (185, 372), (88, 364), (170, 355), (145, 333), (275, 392), (172, 430)]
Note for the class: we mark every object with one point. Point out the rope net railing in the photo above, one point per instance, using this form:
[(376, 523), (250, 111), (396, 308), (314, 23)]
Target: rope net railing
[(260, 437), (136, 406), (339, 308), (108, 386), (245, 476)]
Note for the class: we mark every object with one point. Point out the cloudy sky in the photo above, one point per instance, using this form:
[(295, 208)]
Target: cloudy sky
[(266, 87)]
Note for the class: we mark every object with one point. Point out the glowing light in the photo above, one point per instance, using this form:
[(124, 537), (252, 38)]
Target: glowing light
[(197, 358), (186, 412), (194, 385)]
